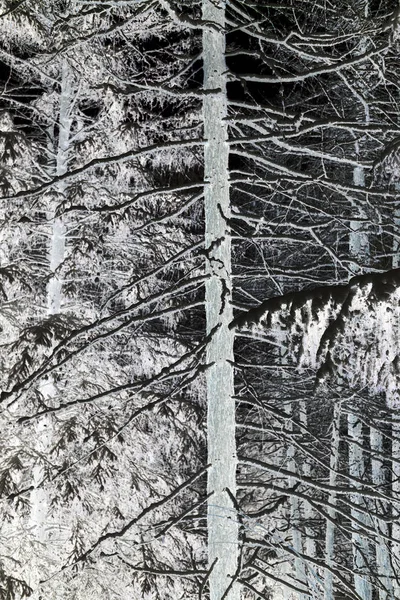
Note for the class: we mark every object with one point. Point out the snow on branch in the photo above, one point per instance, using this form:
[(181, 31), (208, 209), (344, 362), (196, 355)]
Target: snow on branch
[(346, 332), (144, 513), (102, 161)]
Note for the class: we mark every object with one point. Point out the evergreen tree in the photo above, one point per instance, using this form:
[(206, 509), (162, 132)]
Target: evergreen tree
[(136, 283), (89, 369)]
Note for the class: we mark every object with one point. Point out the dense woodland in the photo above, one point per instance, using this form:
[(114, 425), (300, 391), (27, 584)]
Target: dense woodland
[(199, 312)]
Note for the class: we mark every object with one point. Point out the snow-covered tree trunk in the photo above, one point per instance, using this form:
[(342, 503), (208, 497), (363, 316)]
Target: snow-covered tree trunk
[(39, 499), (358, 242), (361, 552), (383, 564), (395, 550), (57, 245), (396, 238), (359, 250), (310, 546), (396, 494), (330, 524), (222, 520), (359, 247), (295, 517)]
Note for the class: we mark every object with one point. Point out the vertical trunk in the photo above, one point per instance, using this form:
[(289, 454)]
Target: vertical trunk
[(295, 520), (310, 547), (383, 565), (396, 494), (39, 501), (222, 521), (359, 248), (395, 546), (395, 550), (330, 525), (358, 242), (57, 246), (396, 240), (361, 557)]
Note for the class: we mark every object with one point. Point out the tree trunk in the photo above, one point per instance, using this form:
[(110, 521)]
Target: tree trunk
[(395, 550), (396, 494), (359, 248), (361, 554), (222, 519), (383, 565), (396, 239), (309, 514), (57, 246), (358, 242), (39, 500), (330, 524), (295, 517)]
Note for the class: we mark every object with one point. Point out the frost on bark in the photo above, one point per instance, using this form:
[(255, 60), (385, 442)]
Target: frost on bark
[(396, 237), (330, 523), (222, 521), (395, 549), (39, 497), (383, 560), (358, 239), (359, 249), (361, 553), (295, 518), (309, 513), (57, 246)]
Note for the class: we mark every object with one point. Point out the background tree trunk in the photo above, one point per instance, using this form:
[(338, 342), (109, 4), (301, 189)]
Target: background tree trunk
[(296, 517), (330, 524), (361, 552), (383, 566), (39, 497)]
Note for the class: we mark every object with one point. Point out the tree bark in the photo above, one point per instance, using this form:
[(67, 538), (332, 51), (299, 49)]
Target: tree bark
[(329, 588), (359, 247), (39, 498), (222, 518), (383, 564), (57, 246), (395, 546), (295, 517), (359, 241), (361, 552)]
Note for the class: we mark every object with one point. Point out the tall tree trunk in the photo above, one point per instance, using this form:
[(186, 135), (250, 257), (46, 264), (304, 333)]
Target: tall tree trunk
[(383, 564), (359, 248), (309, 515), (396, 238), (359, 241), (395, 550), (222, 519), (57, 246), (39, 500), (396, 494), (295, 516), (330, 524), (361, 553)]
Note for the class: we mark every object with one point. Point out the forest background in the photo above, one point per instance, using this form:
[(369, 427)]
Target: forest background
[(199, 317)]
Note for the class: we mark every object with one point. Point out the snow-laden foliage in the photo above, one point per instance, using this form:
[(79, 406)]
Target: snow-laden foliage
[(97, 269), (348, 334), (107, 352)]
